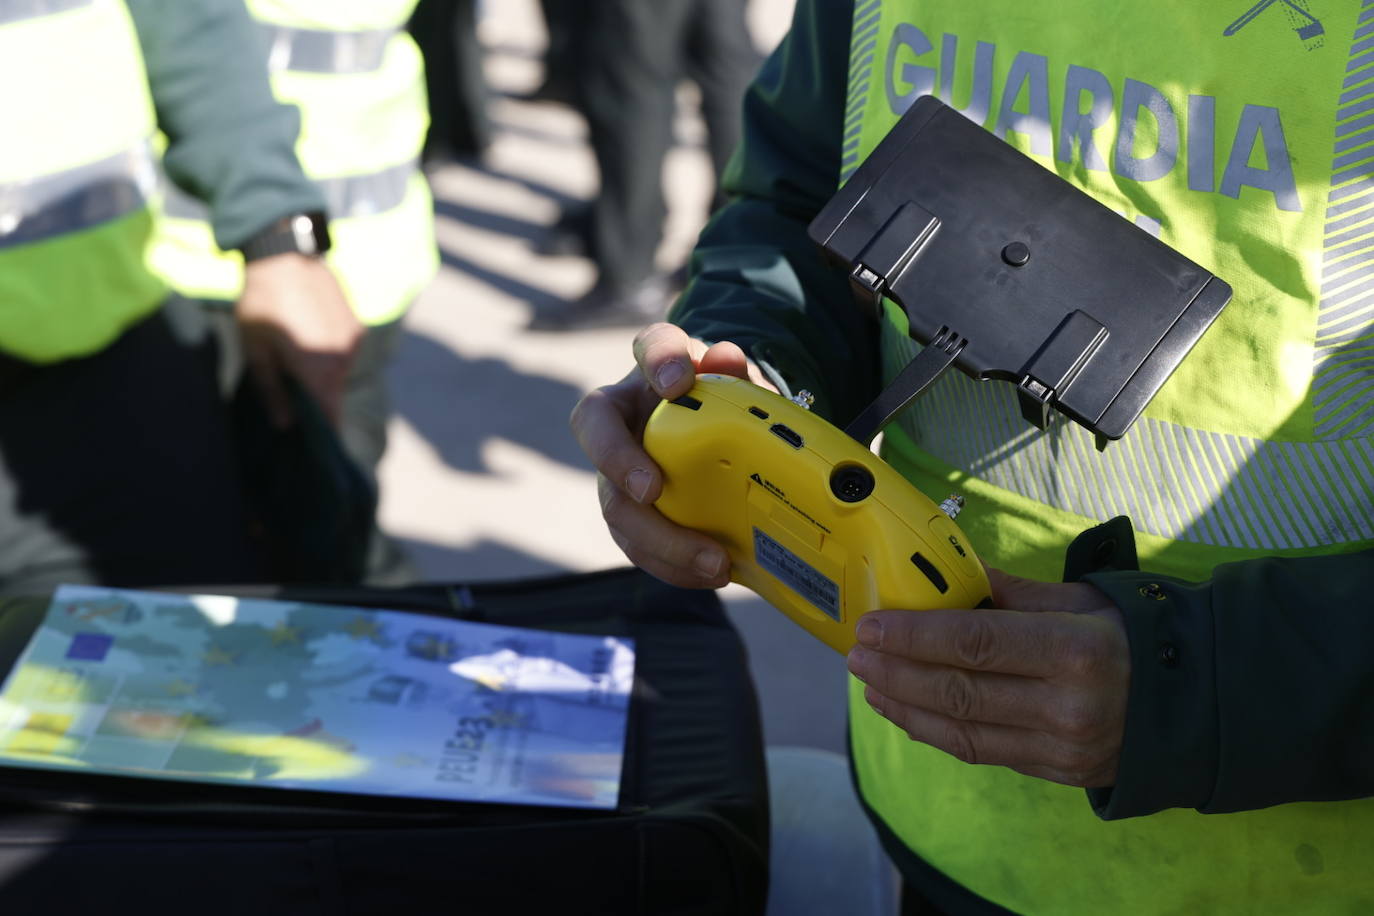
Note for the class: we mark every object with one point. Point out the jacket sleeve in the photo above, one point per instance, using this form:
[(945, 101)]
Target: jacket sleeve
[(1253, 689), (757, 279), (230, 143)]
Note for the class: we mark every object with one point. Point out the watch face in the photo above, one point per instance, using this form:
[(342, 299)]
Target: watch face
[(303, 228)]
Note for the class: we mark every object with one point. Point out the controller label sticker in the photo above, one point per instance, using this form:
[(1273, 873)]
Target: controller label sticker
[(797, 574)]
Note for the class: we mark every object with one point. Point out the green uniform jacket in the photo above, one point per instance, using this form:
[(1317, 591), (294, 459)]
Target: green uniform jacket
[(229, 141), (1253, 689)]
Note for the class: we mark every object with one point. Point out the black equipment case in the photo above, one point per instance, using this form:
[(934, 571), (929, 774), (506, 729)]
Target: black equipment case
[(690, 835)]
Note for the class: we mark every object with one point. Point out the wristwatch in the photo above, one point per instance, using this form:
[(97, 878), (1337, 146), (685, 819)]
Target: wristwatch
[(302, 233)]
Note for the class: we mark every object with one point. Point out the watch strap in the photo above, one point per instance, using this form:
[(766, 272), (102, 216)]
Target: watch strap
[(300, 233)]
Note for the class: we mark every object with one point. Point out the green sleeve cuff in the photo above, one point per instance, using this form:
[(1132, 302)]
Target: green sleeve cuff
[(1170, 748), (1250, 690)]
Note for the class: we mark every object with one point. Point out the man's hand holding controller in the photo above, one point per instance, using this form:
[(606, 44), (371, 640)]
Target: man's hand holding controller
[(609, 424), (1038, 683)]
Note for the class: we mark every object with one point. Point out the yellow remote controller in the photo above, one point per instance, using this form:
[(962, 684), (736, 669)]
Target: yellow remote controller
[(814, 522)]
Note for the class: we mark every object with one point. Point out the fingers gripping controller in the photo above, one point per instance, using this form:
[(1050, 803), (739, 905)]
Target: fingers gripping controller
[(813, 521)]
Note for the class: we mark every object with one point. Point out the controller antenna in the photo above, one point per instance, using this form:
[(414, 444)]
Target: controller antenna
[(952, 506)]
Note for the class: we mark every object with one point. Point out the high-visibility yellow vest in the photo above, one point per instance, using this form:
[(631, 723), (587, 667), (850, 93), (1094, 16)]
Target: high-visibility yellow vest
[(358, 80), (1239, 139), (76, 176)]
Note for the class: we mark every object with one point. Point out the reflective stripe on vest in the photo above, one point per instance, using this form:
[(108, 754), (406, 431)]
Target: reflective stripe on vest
[(76, 173), (358, 81), (353, 197), (333, 15), (1206, 487), (1248, 150), (317, 51), (81, 198), (14, 10)]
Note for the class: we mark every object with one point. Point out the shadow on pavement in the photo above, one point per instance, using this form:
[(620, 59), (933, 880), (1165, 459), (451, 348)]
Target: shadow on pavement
[(457, 404), (489, 221), (534, 185), (551, 138), (538, 299)]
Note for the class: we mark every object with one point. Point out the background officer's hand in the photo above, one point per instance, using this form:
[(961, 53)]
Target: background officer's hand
[(1040, 687), (294, 319), (609, 424)]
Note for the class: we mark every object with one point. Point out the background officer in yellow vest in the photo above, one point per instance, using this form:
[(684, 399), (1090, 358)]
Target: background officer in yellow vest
[(357, 79), (1216, 705), (117, 465)]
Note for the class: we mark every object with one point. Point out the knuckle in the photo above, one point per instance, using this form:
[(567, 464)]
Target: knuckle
[(623, 542), (633, 549), (957, 741), (1085, 657), (609, 495), (975, 643), (584, 412), (577, 417), (1077, 664), (957, 694), (603, 455), (1081, 721), (877, 677), (644, 336), (682, 553), (1078, 764), (653, 339)]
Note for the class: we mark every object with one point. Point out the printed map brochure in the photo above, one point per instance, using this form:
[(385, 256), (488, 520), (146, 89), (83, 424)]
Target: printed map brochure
[(216, 689)]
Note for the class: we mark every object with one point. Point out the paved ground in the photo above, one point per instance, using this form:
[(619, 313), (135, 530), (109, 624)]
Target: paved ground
[(482, 479)]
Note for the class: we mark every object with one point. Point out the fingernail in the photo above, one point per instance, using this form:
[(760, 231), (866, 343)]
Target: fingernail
[(708, 563), (858, 661), (869, 633), (637, 483), (875, 699), (668, 375)]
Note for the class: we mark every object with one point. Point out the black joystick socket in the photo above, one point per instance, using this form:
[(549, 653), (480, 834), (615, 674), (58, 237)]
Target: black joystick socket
[(851, 483)]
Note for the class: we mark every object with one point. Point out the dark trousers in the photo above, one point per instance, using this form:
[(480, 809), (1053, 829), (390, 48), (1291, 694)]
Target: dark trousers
[(363, 420), (565, 21), (635, 53), (363, 417), (446, 31), (118, 469)]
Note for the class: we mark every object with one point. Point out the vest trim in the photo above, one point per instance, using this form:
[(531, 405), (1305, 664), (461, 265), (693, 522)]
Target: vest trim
[(863, 43), (1342, 354), (321, 51), (77, 199), (349, 197), (17, 10), (1212, 488)]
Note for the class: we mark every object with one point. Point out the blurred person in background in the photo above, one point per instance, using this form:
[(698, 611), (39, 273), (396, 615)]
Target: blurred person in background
[(357, 79), (630, 58), (564, 21), (446, 32), (117, 464)]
